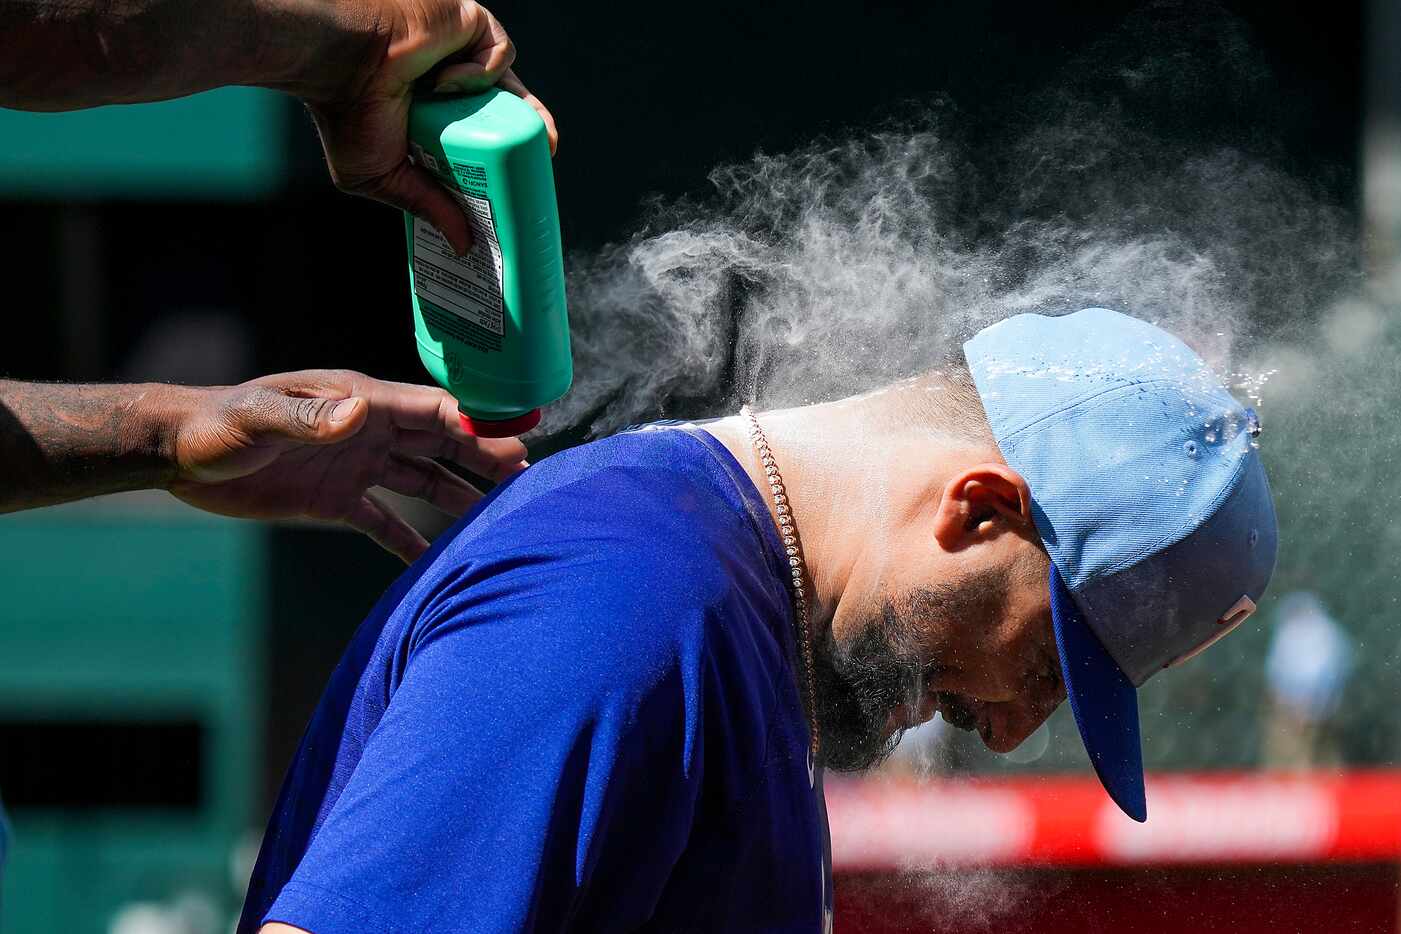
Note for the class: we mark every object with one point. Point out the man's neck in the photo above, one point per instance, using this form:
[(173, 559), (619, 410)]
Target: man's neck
[(835, 483), (855, 476)]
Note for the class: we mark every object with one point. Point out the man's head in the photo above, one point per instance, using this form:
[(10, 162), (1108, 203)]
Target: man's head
[(1080, 507), (946, 608)]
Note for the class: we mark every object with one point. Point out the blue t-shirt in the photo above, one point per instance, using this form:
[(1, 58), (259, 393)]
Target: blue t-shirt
[(578, 712)]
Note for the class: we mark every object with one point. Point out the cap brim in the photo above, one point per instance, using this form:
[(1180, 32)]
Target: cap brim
[(1104, 702)]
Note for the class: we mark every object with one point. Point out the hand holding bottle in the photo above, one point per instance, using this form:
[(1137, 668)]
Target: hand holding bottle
[(354, 62), (363, 120)]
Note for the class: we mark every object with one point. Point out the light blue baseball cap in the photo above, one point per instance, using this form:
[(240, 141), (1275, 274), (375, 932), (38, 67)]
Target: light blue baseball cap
[(1148, 493)]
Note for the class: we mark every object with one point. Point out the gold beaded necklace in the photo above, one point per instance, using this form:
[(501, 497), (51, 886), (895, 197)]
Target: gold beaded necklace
[(793, 549)]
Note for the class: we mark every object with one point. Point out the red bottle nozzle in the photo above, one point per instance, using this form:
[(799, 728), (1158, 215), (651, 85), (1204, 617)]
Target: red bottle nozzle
[(499, 428)]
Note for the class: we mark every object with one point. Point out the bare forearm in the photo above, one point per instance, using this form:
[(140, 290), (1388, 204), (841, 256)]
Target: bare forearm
[(65, 442), (68, 54)]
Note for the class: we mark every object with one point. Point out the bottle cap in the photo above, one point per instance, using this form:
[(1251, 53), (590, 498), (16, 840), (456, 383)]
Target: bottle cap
[(499, 428)]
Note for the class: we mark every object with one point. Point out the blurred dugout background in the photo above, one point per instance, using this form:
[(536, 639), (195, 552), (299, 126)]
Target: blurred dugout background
[(157, 666)]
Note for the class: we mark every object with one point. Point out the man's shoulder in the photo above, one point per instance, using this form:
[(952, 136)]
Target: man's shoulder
[(666, 460), (639, 501), (638, 550)]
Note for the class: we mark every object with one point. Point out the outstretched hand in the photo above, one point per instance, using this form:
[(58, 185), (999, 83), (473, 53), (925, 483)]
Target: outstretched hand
[(314, 442)]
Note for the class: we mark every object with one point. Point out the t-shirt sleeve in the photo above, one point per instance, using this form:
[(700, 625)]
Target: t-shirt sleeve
[(536, 734)]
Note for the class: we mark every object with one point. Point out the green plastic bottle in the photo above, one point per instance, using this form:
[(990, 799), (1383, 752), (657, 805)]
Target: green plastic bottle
[(492, 328)]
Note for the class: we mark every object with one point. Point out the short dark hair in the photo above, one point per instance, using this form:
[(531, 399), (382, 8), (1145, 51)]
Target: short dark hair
[(946, 400)]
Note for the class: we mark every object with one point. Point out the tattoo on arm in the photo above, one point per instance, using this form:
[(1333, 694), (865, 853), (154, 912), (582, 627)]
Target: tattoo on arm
[(64, 442)]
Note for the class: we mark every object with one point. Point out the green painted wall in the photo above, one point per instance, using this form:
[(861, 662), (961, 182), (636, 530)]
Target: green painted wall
[(125, 618), (224, 144)]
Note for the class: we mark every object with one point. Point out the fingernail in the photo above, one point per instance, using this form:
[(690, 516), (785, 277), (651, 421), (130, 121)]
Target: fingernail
[(343, 410)]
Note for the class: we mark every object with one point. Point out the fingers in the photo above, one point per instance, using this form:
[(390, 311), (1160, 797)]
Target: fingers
[(423, 478), (261, 413), (359, 148), (413, 189), (493, 458), (405, 405), (387, 528), (490, 54), (431, 427), (498, 53), (414, 421), (366, 150), (418, 408), (511, 83), (464, 48)]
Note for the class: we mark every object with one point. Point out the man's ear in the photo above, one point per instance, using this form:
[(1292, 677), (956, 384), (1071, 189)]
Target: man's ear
[(973, 502)]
